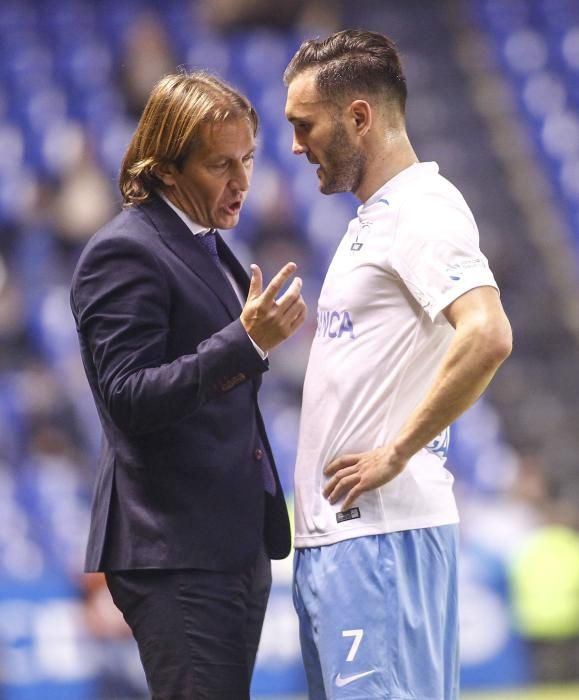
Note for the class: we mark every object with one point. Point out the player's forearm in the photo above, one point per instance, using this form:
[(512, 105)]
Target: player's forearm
[(475, 354)]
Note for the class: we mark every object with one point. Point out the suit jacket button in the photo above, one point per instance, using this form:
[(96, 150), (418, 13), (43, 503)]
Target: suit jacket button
[(258, 453)]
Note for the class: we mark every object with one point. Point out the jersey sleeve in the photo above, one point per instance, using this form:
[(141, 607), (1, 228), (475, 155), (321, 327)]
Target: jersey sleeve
[(436, 253)]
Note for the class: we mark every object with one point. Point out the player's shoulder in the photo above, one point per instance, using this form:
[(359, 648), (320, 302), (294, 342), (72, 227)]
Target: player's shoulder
[(417, 191), (435, 190), (434, 200), (434, 209), (446, 191)]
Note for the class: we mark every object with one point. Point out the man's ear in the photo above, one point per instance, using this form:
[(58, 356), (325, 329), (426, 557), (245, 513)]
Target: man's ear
[(166, 173), (361, 114)]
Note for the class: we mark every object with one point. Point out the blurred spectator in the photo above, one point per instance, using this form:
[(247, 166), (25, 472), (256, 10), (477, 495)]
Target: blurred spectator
[(231, 15), (147, 59), (120, 672), (501, 522), (42, 401), (545, 592), (103, 618), (83, 202), (12, 328)]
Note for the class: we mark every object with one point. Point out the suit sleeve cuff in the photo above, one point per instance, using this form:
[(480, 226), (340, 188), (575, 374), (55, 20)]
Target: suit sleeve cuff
[(259, 351)]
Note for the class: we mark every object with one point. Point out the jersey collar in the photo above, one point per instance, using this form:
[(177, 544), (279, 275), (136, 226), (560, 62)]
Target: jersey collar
[(402, 179)]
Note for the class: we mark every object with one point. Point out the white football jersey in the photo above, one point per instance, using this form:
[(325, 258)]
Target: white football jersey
[(411, 251)]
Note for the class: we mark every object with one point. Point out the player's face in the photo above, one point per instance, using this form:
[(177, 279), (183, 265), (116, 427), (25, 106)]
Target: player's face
[(214, 180), (320, 132)]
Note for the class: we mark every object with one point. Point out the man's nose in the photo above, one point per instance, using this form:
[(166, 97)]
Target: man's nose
[(297, 147), (241, 178)]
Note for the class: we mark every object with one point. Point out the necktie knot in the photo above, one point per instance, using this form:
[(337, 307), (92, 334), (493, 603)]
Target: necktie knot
[(209, 242)]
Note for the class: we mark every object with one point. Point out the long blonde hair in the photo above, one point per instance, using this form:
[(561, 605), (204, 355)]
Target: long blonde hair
[(169, 128)]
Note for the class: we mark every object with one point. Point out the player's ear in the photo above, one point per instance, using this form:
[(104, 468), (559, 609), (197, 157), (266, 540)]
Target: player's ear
[(361, 114)]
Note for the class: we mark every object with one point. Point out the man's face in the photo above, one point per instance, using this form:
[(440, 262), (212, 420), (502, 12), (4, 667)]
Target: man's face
[(214, 180), (320, 131)]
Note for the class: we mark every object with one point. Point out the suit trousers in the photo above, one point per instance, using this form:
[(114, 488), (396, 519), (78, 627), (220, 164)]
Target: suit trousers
[(197, 631)]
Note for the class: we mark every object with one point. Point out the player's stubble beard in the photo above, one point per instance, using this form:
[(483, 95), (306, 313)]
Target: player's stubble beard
[(344, 163)]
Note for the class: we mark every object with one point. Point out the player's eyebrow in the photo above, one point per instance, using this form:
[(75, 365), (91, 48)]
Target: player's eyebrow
[(292, 117)]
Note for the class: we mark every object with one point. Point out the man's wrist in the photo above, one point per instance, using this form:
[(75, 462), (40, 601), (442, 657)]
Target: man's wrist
[(398, 454), (259, 351)]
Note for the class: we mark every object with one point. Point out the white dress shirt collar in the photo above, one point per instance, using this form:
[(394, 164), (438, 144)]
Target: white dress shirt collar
[(199, 230), (196, 229)]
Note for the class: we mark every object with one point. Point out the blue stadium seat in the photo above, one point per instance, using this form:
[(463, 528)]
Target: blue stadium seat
[(16, 15), (66, 18), (18, 189), (84, 63), (503, 16), (538, 44), (209, 52), (98, 107), (28, 66), (111, 144)]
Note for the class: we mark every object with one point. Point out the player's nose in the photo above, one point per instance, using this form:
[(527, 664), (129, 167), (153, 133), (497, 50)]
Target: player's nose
[(298, 147)]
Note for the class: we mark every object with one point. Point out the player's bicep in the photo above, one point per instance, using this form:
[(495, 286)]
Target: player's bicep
[(479, 305), (479, 317)]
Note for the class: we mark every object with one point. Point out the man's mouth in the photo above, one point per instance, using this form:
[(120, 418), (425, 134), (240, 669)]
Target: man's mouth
[(233, 207)]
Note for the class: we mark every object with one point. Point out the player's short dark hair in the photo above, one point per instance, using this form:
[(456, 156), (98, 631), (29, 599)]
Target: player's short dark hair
[(351, 62)]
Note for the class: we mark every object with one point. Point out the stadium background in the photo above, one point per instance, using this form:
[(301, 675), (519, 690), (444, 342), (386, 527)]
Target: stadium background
[(494, 97)]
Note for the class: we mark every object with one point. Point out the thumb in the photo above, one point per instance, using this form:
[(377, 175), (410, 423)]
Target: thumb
[(256, 283)]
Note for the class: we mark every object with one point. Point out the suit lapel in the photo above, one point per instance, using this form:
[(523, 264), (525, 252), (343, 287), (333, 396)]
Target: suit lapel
[(242, 279), (233, 264), (175, 234)]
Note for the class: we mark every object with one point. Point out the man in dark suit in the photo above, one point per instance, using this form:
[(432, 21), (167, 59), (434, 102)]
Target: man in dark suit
[(188, 508)]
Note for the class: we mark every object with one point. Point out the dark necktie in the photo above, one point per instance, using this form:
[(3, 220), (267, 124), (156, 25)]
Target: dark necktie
[(209, 242)]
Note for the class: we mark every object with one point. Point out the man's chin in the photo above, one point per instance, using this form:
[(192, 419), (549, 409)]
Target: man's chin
[(227, 220), (332, 188)]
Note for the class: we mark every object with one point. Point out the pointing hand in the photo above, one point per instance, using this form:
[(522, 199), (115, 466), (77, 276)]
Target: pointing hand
[(267, 320)]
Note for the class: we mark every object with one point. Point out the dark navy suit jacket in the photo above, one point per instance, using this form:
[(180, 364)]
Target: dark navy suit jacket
[(175, 379)]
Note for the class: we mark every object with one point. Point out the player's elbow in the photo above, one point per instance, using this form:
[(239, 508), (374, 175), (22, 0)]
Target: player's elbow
[(495, 341)]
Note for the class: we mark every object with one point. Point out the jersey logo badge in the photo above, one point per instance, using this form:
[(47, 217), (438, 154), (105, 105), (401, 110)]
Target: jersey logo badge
[(360, 237), (341, 681), (345, 515), (439, 446)]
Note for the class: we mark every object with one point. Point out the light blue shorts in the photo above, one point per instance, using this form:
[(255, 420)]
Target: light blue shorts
[(379, 616)]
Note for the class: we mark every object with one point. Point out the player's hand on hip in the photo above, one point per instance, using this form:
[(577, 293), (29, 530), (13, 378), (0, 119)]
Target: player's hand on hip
[(267, 320), (351, 475)]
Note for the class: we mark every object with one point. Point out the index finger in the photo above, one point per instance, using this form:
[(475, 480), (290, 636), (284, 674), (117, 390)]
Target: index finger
[(352, 496), (278, 281), (340, 463)]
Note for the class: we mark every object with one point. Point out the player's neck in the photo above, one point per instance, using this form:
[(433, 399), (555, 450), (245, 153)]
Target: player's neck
[(393, 155)]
